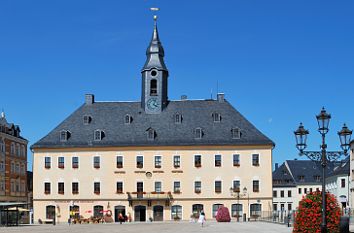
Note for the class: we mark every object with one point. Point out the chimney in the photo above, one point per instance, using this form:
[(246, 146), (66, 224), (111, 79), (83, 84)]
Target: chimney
[(183, 97), (221, 97), (89, 99), (276, 166)]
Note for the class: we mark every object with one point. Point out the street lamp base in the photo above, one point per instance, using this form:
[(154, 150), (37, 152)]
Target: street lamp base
[(323, 228)]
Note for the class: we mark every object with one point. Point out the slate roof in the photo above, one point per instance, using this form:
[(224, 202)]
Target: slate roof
[(342, 169), (109, 117), (306, 168), (283, 177)]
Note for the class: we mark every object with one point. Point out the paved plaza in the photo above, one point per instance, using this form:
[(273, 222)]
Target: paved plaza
[(166, 227)]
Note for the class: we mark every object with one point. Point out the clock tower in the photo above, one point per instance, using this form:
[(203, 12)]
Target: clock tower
[(154, 77)]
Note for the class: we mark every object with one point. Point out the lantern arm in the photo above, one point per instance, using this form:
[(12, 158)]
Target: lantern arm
[(317, 155)]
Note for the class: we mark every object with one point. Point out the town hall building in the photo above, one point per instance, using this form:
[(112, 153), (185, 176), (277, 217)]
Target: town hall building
[(156, 158)]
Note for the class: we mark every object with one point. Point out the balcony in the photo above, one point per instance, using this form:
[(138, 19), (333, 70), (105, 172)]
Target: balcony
[(149, 197)]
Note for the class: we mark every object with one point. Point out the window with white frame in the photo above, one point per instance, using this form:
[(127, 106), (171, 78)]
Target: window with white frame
[(236, 160), (119, 161), (236, 185), (218, 187), (176, 186), (158, 186), (47, 162), (139, 161), (177, 161), (255, 159), (197, 186), (217, 161), (119, 187), (96, 162), (75, 162), (158, 161), (61, 162)]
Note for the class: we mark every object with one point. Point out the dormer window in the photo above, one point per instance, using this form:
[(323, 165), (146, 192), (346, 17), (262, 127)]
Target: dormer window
[(178, 118), (87, 119), (153, 87), (236, 133), (216, 117), (151, 134), (198, 133), (301, 178), (128, 119), (98, 135), (64, 135)]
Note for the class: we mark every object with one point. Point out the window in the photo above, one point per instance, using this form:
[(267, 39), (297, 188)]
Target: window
[(289, 193), (151, 134), (176, 161), (64, 135), (47, 162), (119, 161), (176, 187), (301, 178), (2, 166), (158, 161), (275, 207), (289, 206), (139, 161), (282, 207), (317, 178), (23, 151), (98, 135), (178, 118), (176, 212), (256, 210), (87, 119), (216, 117), (75, 187), (342, 182), (61, 187), (256, 186), (97, 187), (12, 149), (236, 160), (236, 210), (255, 159), (281, 193), (299, 190), (275, 193), (2, 146), (75, 162), (236, 185), (196, 209), (217, 161), (198, 133), (305, 190), (218, 186), (197, 186), (153, 87), (50, 212), (96, 162), (235, 133), (197, 160), (46, 188), (74, 211), (158, 186), (216, 208), (60, 162), (128, 119), (310, 190), (119, 187)]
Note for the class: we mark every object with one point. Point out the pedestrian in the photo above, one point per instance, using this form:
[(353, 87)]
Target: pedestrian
[(69, 221), (120, 218), (201, 219)]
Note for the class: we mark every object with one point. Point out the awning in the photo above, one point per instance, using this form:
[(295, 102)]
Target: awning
[(19, 209)]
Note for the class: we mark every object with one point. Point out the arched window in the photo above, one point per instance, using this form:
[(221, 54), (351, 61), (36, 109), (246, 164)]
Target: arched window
[(236, 210), (151, 134), (98, 135), (216, 208), (98, 211), (153, 87), (176, 212), (50, 212)]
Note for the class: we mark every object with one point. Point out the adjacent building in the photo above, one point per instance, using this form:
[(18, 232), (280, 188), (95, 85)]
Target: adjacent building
[(13, 163), (156, 158)]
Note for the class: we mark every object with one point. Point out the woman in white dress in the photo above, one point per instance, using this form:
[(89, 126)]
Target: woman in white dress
[(201, 218)]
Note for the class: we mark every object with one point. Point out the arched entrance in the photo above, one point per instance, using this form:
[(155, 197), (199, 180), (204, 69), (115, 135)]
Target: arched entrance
[(119, 209), (50, 212), (158, 213), (140, 213)]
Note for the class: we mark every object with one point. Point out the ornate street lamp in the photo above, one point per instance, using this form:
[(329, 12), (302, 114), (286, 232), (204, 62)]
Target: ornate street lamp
[(323, 156), (236, 191)]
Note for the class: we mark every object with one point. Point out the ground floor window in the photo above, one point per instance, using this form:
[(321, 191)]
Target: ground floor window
[(236, 210), (196, 209), (256, 210), (98, 211), (176, 212), (50, 212), (75, 211), (215, 209)]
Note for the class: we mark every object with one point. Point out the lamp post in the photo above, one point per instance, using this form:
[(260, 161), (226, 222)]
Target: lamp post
[(248, 198), (323, 156)]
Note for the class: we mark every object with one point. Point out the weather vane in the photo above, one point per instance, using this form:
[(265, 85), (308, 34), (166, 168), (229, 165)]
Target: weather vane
[(154, 9)]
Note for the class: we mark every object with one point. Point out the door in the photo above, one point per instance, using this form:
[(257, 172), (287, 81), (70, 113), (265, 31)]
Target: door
[(119, 209), (139, 213), (158, 213), (140, 189)]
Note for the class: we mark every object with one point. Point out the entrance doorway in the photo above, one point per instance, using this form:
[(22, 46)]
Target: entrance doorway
[(158, 213), (140, 213), (119, 209)]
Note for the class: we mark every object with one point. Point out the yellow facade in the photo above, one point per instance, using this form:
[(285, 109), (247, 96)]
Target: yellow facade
[(108, 175)]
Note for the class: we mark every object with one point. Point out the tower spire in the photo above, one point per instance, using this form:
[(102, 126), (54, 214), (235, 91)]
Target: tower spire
[(155, 52), (2, 113)]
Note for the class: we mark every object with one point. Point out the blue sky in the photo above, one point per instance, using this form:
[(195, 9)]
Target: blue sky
[(278, 62)]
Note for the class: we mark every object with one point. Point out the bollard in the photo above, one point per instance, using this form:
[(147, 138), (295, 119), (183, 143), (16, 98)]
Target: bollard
[(344, 224)]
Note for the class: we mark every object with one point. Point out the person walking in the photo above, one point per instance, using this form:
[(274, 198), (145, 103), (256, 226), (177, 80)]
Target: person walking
[(201, 219), (120, 218)]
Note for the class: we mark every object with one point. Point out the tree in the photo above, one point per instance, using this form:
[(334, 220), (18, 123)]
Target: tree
[(223, 215), (309, 214)]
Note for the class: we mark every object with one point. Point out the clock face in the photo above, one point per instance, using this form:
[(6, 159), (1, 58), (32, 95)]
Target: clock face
[(153, 104)]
